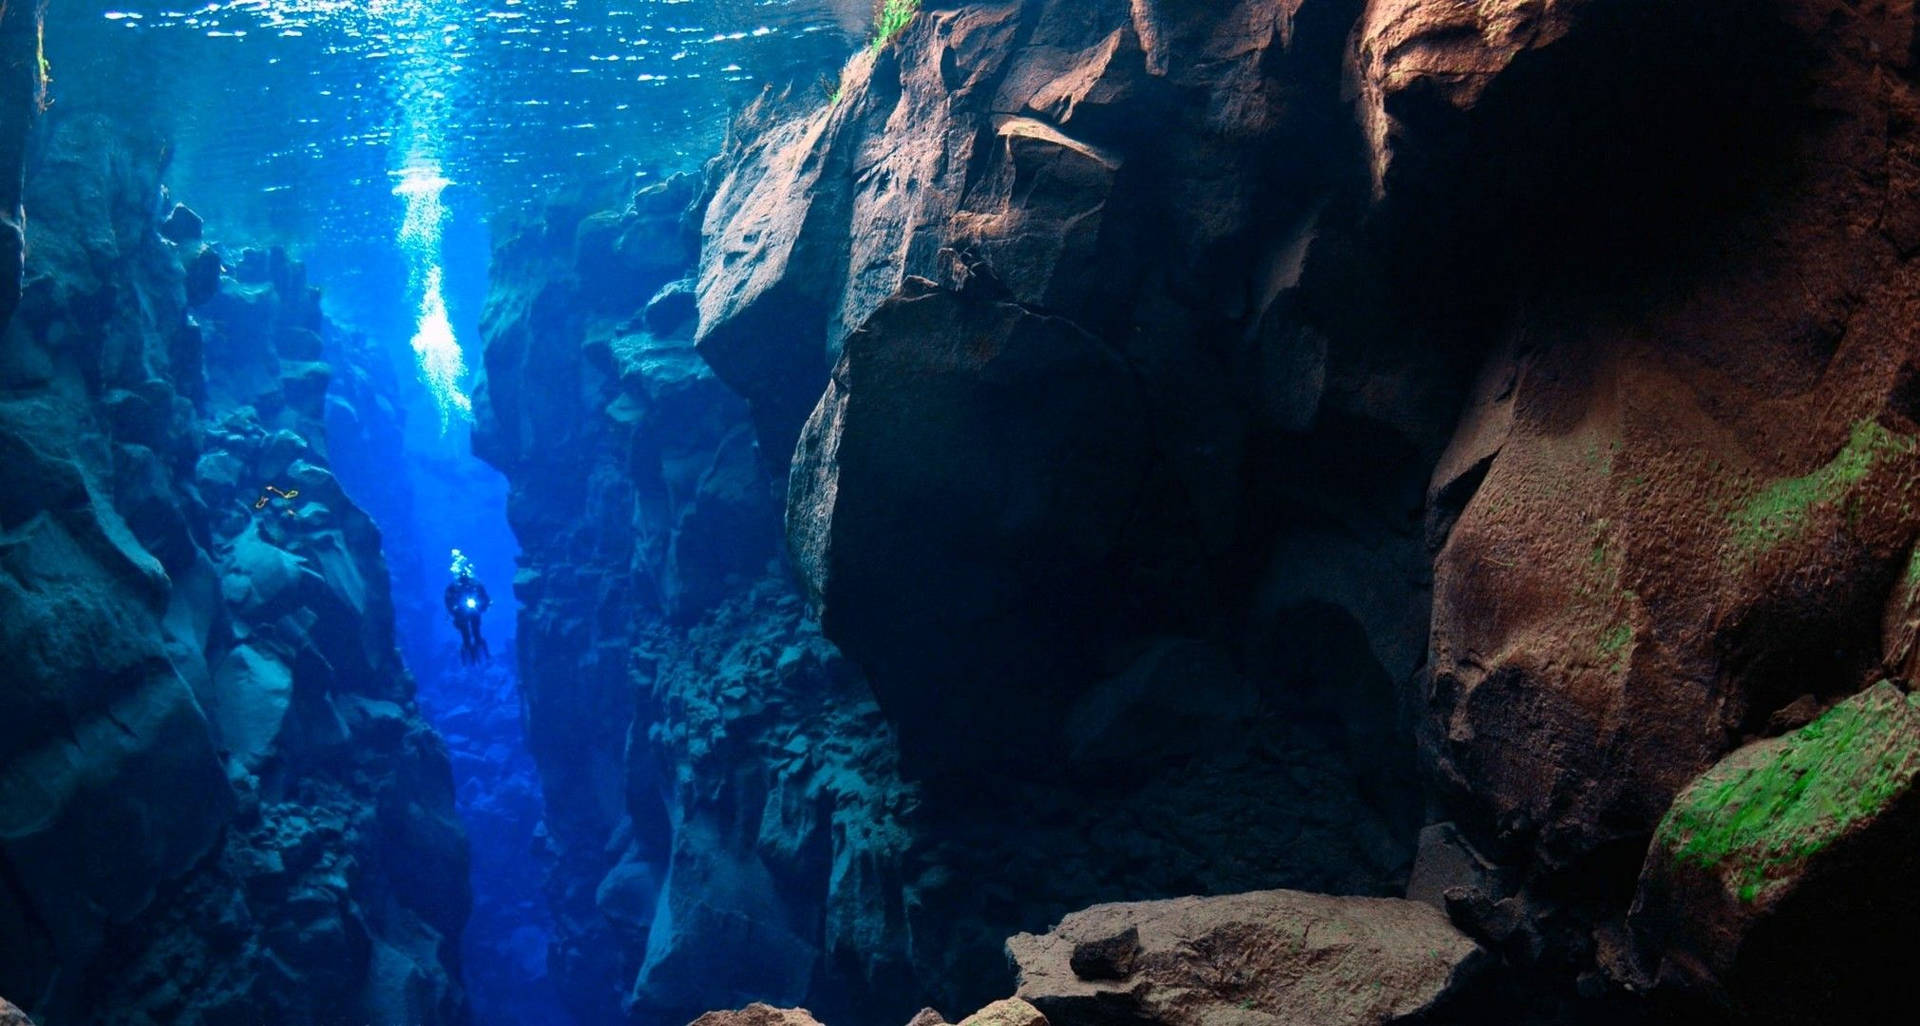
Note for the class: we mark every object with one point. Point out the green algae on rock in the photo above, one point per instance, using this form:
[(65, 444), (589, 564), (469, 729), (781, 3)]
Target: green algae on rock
[(1781, 511), (1771, 847), (1758, 816)]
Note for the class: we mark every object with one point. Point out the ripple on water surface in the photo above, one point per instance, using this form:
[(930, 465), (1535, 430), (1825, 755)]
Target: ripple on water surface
[(293, 111)]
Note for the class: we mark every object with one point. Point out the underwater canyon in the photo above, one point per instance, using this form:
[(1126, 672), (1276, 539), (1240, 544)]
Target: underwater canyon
[(1073, 512)]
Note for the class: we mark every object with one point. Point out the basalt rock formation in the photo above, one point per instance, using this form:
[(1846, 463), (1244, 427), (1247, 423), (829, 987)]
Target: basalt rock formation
[(1128, 549), (21, 90), (217, 801), (1534, 380), (722, 801)]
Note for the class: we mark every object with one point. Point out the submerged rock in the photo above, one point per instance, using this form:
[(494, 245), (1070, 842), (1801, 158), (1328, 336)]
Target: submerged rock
[(930, 484), (1768, 850), (758, 1014), (217, 803), (182, 225), (1007, 1012), (22, 94), (673, 677), (1262, 957)]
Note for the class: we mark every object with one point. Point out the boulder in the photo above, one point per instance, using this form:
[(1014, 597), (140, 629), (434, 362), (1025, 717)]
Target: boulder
[(758, 1014), (1006, 1012), (182, 225), (1260, 957), (1774, 846), (11, 1016), (251, 692)]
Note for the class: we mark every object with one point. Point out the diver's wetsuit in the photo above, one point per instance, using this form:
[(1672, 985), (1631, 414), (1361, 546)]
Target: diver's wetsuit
[(466, 599)]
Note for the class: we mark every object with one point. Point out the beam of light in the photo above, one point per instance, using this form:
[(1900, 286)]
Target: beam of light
[(422, 76), (442, 365)]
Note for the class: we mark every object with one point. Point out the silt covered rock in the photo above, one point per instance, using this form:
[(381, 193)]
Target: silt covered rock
[(1264, 958)]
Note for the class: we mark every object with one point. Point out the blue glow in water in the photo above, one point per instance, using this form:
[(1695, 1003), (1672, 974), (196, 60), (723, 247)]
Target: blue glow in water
[(386, 142)]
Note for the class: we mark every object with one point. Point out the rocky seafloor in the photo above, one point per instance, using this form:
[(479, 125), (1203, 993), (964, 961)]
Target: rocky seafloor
[(1121, 511)]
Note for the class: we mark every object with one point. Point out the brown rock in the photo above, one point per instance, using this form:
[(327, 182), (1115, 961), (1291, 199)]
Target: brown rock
[(758, 1014), (1784, 872), (1287, 956), (1675, 514), (819, 218), (1441, 53), (1107, 958), (1684, 518), (1006, 1012), (927, 1017), (11, 1016)]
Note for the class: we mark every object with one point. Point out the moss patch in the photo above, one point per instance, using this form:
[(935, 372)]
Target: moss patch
[(890, 18), (1762, 812), (1613, 645), (1784, 508)]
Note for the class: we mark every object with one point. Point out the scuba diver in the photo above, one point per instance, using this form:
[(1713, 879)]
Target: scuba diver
[(466, 599)]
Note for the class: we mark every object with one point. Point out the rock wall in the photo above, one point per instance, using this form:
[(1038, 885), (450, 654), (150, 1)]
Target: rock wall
[(217, 800), (723, 803), (22, 89), (1129, 547), (1533, 379)]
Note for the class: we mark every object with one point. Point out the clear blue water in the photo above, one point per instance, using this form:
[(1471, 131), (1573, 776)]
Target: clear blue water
[(385, 143), (302, 114)]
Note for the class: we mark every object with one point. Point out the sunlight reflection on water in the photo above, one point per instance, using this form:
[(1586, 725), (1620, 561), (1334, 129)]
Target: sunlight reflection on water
[(302, 105)]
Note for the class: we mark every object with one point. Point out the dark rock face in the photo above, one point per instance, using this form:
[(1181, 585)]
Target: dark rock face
[(1159, 355), (21, 91), (1008, 440), (1116, 531), (1689, 478), (1267, 956), (219, 799), (1123, 433)]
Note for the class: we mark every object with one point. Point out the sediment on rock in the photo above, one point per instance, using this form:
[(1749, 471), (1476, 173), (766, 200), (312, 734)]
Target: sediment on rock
[(1282, 956)]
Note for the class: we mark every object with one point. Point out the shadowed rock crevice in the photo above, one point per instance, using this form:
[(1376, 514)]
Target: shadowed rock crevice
[(1584, 149)]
